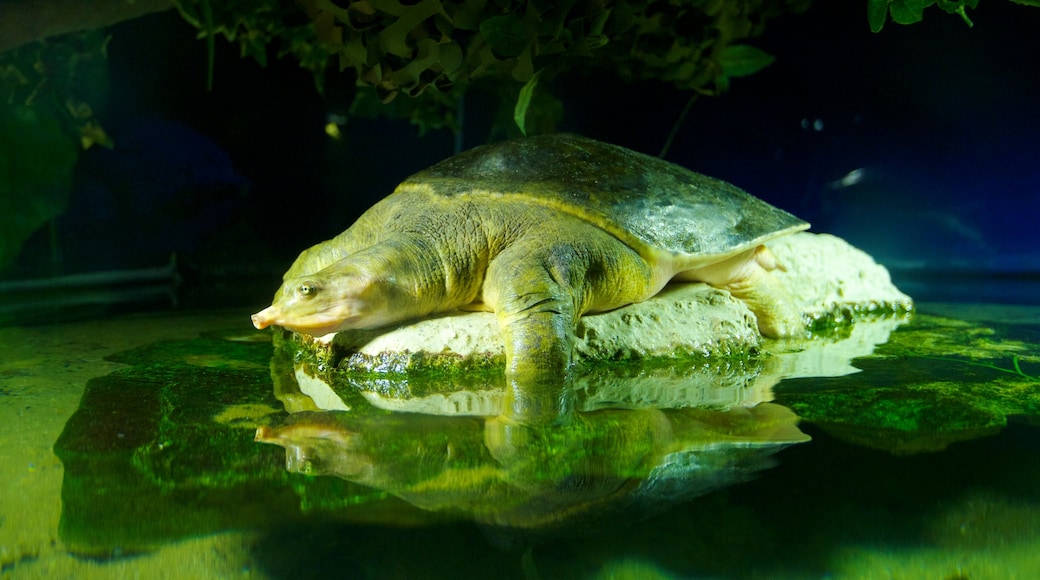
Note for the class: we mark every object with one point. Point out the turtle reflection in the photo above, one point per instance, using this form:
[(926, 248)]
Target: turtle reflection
[(639, 437), (497, 471)]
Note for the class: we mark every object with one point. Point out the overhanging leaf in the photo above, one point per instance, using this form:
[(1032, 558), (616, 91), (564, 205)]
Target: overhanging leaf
[(500, 41), (524, 101), (36, 161), (741, 60), (908, 11), (877, 12)]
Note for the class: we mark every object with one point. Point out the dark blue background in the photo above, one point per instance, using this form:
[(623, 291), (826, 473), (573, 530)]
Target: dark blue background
[(939, 119)]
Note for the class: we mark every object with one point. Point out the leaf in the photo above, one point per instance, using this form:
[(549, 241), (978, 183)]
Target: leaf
[(908, 11), (468, 15), (523, 70), (877, 12), (395, 36), (721, 84), (36, 161), (507, 35), (523, 102), (408, 78), (741, 60)]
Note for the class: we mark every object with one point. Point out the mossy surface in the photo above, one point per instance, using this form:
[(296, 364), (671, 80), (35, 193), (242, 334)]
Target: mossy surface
[(837, 322), (408, 374), (937, 380), (164, 449)]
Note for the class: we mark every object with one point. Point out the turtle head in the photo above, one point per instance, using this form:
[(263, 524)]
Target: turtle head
[(334, 299)]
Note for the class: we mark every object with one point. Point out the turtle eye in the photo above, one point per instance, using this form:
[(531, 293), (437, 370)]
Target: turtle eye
[(307, 289)]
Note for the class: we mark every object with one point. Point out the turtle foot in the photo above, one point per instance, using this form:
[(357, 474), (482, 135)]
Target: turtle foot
[(773, 306)]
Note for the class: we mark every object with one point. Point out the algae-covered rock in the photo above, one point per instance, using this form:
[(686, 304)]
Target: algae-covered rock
[(829, 278), (936, 381), (661, 383)]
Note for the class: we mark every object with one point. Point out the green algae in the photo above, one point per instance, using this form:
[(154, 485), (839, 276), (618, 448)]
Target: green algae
[(936, 381), (837, 322), (164, 449), (412, 375), (1016, 367)]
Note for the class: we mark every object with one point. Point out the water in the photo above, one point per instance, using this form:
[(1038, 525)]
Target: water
[(128, 451)]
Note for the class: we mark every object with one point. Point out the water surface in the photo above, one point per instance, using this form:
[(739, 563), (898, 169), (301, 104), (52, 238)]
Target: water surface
[(127, 450)]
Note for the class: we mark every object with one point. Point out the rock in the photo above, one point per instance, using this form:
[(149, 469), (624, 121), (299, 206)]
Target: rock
[(830, 276)]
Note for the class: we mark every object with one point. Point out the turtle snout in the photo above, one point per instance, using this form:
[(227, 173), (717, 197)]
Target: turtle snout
[(264, 318)]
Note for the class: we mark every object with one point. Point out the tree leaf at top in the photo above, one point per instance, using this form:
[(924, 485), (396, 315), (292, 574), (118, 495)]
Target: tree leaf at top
[(908, 11), (877, 12)]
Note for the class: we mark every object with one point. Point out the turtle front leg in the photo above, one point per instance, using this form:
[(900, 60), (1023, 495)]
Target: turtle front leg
[(538, 359), (536, 309)]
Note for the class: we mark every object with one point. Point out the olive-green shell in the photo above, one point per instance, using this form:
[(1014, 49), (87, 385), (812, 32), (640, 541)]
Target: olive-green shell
[(665, 206)]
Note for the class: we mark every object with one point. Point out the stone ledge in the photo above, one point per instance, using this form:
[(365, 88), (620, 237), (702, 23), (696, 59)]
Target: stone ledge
[(827, 275)]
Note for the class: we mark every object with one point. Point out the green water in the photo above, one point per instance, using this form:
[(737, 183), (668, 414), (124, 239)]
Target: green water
[(128, 450)]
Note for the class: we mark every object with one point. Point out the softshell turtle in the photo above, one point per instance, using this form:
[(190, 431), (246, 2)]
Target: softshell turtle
[(541, 231)]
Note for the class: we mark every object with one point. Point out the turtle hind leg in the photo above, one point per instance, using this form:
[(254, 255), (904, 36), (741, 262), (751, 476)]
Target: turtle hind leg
[(773, 305), (748, 277)]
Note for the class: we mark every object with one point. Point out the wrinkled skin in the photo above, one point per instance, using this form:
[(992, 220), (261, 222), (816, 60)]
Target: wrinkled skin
[(420, 252)]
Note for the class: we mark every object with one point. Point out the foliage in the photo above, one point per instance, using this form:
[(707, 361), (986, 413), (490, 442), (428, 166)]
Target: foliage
[(36, 161), (60, 77), (46, 87), (911, 11), (393, 48)]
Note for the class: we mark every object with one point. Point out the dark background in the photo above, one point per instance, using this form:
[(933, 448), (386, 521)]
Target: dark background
[(939, 119)]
